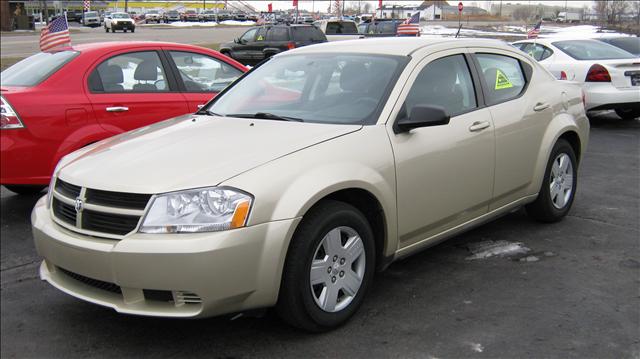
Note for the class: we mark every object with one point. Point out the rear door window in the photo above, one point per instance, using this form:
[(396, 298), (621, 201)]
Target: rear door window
[(307, 33), (35, 69), (136, 72), (278, 34), (503, 77)]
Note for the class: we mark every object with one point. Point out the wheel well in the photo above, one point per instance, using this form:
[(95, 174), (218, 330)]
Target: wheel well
[(574, 141), (370, 207)]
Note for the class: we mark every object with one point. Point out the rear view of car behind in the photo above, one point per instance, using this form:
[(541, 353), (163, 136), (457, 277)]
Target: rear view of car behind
[(610, 76)]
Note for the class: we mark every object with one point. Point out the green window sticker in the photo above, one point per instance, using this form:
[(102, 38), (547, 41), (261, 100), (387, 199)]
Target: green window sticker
[(502, 82)]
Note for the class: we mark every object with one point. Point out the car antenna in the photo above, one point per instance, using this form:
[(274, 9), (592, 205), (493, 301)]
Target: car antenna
[(458, 33)]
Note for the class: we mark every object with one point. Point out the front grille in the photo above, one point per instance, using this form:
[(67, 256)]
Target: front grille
[(119, 224), (64, 212), (67, 189), (99, 213), (117, 199), (106, 286)]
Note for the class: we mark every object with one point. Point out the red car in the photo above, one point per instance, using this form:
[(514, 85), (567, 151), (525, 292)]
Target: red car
[(54, 103)]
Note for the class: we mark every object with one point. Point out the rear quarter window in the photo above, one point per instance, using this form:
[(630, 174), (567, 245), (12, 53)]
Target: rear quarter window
[(307, 33), (37, 68)]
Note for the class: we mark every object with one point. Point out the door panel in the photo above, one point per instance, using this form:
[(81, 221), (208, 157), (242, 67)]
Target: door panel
[(444, 173), (518, 127), (130, 90)]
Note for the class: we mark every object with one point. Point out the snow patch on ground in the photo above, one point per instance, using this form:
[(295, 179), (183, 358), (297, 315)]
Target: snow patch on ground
[(237, 23), (185, 24), (488, 249), (552, 31)]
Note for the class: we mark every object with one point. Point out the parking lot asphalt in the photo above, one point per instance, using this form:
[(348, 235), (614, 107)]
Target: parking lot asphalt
[(579, 297), (21, 45)]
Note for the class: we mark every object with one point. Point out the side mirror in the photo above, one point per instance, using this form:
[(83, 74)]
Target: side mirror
[(422, 116), (236, 40)]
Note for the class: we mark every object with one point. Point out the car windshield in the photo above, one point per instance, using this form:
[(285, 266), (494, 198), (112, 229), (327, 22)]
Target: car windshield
[(152, 12), (630, 44), (335, 27), (35, 69), (90, 14), (120, 16), (591, 50), (172, 13), (322, 88)]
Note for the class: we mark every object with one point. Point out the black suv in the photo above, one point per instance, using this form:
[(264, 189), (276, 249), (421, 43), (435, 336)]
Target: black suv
[(259, 43)]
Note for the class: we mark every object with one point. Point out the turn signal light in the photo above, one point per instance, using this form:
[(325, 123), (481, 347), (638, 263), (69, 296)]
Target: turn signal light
[(8, 117), (291, 45), (597, 73), (240, 215), (563, 75)]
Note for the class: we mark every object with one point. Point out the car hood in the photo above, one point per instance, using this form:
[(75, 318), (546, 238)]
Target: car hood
[(189, 152)]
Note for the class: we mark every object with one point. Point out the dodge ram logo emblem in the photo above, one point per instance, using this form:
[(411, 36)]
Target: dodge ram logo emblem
[(79, 205)]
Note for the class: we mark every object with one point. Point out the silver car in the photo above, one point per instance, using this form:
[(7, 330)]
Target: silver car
[(319, 167)]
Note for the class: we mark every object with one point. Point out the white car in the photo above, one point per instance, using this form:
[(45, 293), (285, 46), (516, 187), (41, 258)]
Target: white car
[(609, 75), (119, 21), (152, 15)]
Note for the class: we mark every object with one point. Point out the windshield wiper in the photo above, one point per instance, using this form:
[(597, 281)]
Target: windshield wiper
[(207, 112), (266, 116)]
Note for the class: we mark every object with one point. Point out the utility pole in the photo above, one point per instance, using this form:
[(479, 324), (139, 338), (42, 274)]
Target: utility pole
[(126, 6)]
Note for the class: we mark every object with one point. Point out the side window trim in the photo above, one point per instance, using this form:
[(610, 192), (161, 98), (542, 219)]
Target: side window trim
[(527, 72), (175, 75), (168, 71)]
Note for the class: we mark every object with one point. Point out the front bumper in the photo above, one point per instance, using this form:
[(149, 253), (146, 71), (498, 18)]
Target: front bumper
[(123, 26), (217, 273), (605, 96)]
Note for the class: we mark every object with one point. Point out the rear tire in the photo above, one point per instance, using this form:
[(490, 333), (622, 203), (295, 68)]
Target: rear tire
[(106, 29), (336, 236), (558, 185), (26, 190), (628, 114)]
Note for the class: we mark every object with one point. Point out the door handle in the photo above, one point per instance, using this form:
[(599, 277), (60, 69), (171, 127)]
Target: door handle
[(479, 126), (200, 106), (540, 106), (117, 109)]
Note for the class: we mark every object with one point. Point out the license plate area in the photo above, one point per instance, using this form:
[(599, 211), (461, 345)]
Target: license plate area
[(634, 76)]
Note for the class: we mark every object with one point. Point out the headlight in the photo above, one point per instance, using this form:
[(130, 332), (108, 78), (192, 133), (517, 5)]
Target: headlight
[(198, 210), (51, 184)]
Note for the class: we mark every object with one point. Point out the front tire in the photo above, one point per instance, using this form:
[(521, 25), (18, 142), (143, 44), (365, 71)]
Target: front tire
[(106, 29), (558, 185), (329, 267), (26, 190), (628, 114)]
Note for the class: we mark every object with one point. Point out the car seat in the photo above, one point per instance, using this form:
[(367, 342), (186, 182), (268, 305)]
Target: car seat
[(112, 78), (146, 71)]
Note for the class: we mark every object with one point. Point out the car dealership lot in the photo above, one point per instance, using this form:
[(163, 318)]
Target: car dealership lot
[(574, 295)]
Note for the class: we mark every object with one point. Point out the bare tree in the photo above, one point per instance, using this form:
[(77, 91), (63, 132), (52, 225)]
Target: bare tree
[(616, 8), (602, 9), (366, 8)]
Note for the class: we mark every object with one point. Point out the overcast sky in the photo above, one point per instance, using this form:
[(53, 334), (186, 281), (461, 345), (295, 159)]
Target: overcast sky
[(322, 5)]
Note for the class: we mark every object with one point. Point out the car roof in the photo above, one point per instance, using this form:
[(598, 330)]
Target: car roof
[(101, 47), (403, 46)]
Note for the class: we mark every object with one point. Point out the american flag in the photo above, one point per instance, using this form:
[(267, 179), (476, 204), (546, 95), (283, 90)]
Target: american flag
[(533, 33), (54, 35), (411, 26)]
